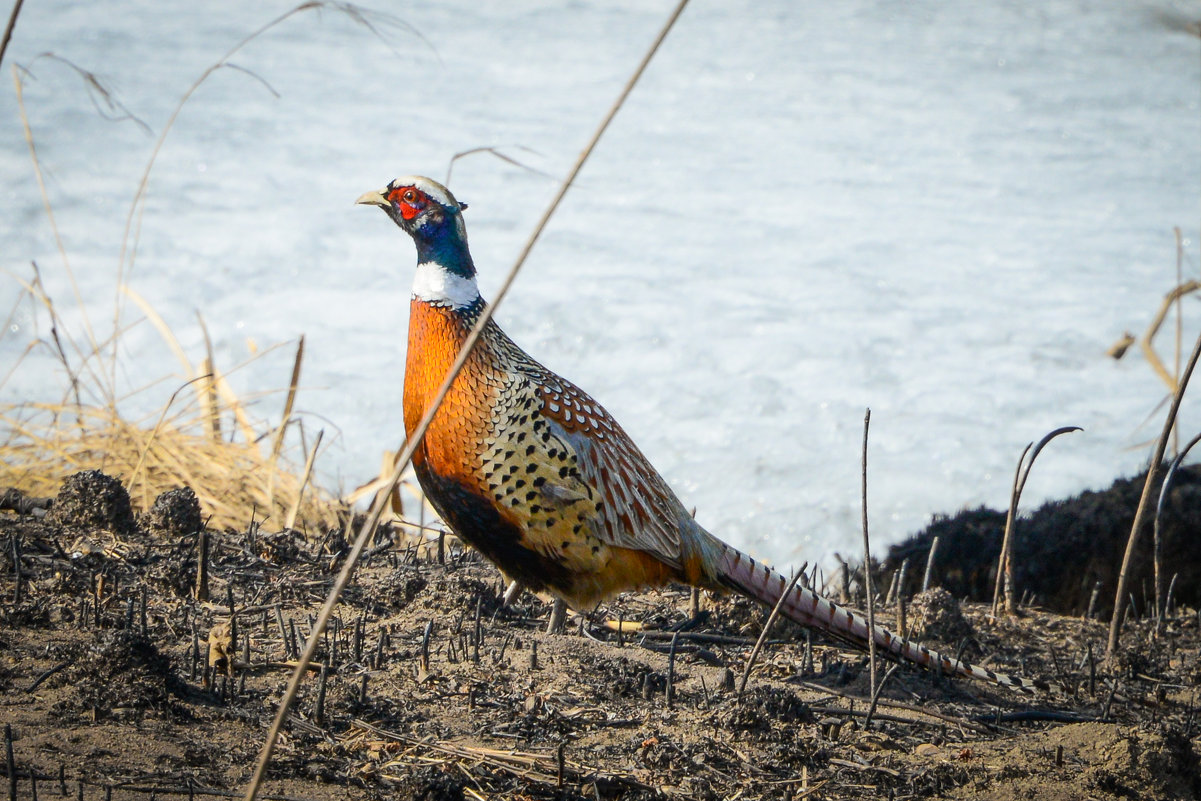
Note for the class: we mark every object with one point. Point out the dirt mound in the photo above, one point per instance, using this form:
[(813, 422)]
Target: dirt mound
[(1064, 549), (92, 500), (935, 615), (174, 513), (113, 670)]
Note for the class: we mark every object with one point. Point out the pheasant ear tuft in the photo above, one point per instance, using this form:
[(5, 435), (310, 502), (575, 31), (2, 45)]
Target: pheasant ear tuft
[(462, 206)]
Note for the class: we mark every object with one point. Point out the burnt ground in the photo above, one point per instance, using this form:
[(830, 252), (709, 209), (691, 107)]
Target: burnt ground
[(1068, 552), (105, 682)]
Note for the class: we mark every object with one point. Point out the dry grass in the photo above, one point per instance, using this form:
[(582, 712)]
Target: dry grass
[(46, 443), (235, 475), (185, 443), (203, 435)]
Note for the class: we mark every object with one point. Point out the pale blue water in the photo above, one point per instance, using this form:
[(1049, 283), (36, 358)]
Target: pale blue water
[(946, 212)]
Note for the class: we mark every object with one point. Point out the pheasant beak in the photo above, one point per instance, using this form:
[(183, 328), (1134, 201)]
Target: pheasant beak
[(374, 198)]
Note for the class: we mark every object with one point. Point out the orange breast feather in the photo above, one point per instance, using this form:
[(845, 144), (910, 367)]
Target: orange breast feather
[(454, 440)]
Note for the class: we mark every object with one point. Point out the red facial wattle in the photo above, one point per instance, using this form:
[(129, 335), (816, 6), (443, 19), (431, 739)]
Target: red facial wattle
[(408, 200)]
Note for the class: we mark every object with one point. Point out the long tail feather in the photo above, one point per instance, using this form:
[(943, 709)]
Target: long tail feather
[(804, 606)]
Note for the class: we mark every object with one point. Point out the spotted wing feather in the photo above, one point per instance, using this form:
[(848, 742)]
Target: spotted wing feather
[(633, 506)]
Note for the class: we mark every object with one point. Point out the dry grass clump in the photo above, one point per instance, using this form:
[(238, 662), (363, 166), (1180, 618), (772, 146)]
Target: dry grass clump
[(209, 442), (44, 443)]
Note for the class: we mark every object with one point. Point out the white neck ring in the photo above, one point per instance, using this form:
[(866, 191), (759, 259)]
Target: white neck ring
[(436, 285)]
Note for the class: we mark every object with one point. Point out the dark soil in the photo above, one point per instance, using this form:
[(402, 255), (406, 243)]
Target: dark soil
[(105, 682)]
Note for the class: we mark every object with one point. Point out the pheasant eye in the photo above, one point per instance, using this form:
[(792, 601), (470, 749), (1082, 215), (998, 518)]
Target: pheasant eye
[(408, 195)]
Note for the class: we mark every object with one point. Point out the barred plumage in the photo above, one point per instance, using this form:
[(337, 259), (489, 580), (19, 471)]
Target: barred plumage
[(531, 471)]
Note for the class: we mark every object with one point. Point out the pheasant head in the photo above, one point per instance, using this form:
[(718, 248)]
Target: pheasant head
[(428, 212)]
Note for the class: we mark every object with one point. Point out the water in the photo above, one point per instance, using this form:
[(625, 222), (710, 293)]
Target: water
[(943, 212)]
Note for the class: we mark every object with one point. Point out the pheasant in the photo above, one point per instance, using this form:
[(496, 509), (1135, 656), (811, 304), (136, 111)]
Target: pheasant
[(536, 475)]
